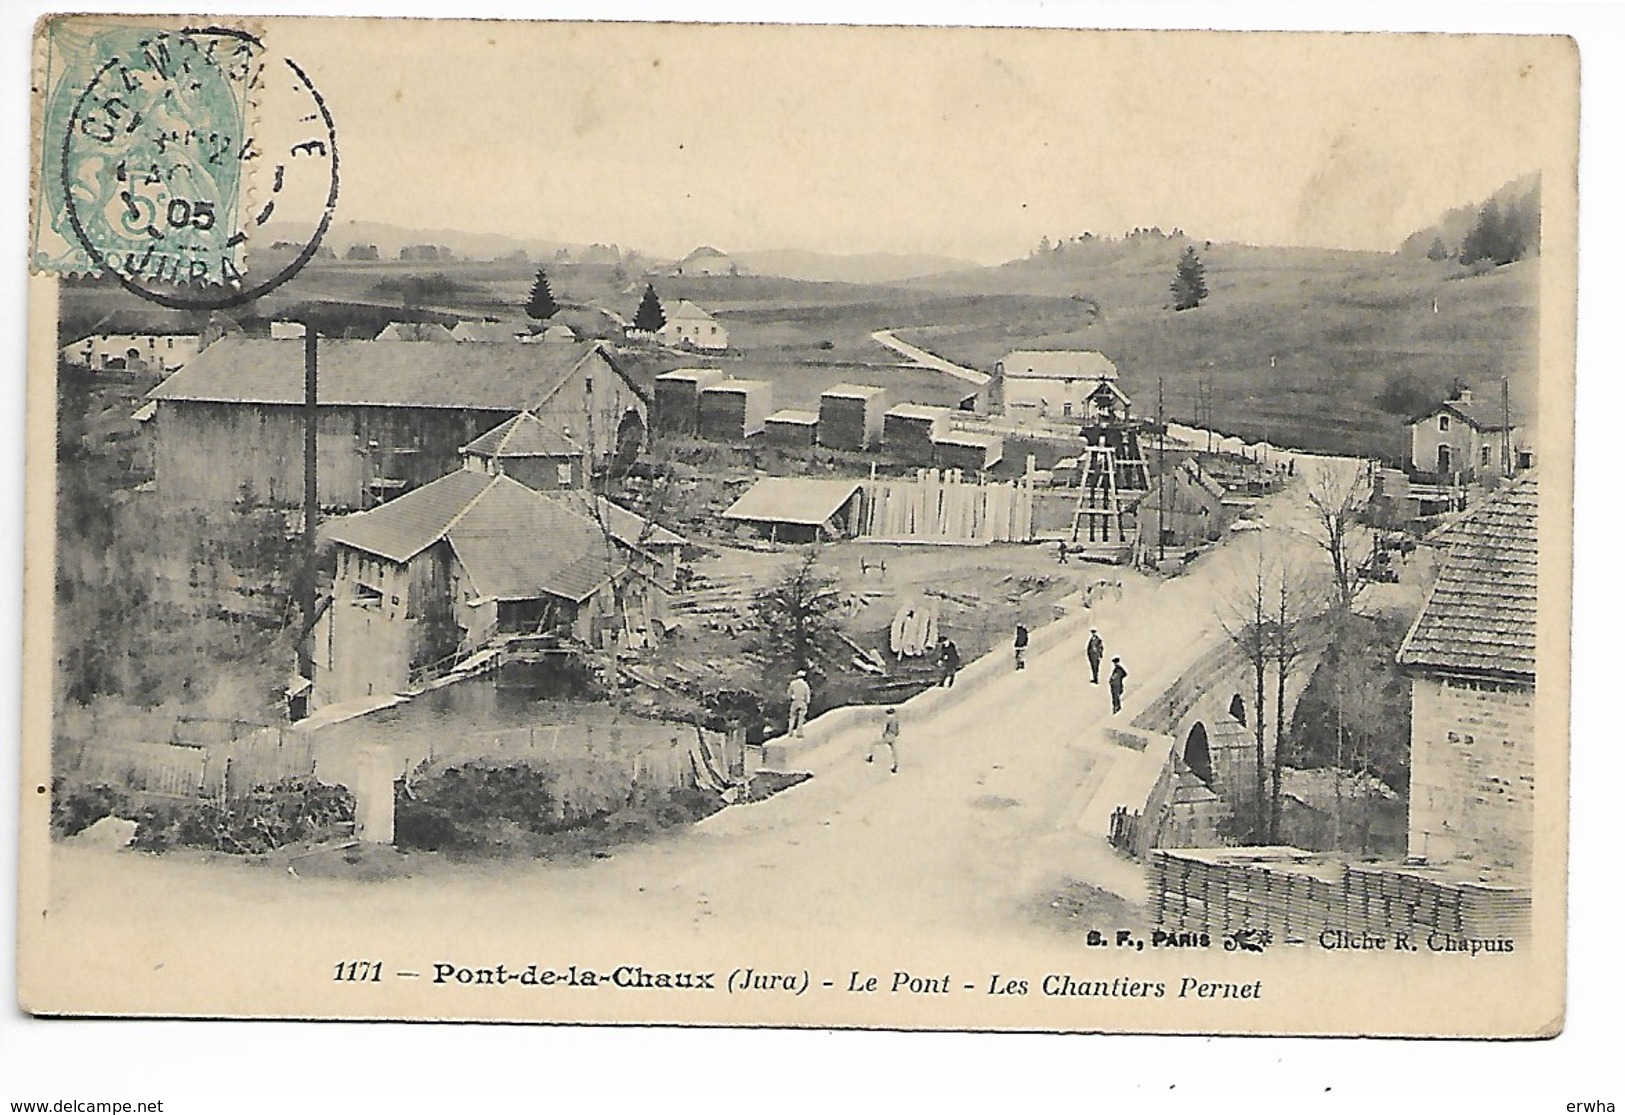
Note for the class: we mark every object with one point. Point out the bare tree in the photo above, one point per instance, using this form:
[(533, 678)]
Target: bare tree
[(1294, 605), (1244, 615), (1337, 495)]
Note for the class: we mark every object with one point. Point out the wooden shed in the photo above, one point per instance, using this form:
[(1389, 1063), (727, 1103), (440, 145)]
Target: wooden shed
[(792, 429), (967, 451), (677, 399), (851, 416), (735, 409), (911, 431)]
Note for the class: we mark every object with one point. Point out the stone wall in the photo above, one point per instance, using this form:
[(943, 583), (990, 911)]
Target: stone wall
[(1472, 772)]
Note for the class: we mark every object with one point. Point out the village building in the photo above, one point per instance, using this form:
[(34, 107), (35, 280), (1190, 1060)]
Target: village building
[(1187, 504), (1470, 656), (706, 260), (689, 326), (1071, 384), (530, 451), (799, 509), (414, 331), (1466, 439), (392, 417), (136, 341), (443, 571)]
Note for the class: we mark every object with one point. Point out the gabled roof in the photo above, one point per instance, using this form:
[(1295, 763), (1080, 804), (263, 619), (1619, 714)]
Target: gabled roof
[(705, 251), (687, 311), (523, 435), (414, 331), (1479, 617), (1106, 386), (370, 373), (514, 542), (1484, 415), (792, 499), (141, 322), (489, 332), (1058, 364)]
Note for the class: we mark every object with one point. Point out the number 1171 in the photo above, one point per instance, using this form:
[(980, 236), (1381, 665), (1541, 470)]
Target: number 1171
[(358, 971)]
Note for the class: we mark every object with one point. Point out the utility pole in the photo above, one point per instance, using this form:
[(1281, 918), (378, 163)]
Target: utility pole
[(307, 576), (1162, 475), (1506, 430)]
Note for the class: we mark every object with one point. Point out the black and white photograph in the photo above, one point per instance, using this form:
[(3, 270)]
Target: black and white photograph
[(890, 528)]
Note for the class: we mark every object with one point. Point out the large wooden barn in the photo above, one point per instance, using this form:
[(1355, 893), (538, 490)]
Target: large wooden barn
[(230, 425)]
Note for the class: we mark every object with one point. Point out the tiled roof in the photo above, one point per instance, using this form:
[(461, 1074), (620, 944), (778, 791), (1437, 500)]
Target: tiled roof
[(405, 527), (351, 373), (1484, 415), (1479, 617), (687, 311), (514, 542), (1046, 364), (524, 435)]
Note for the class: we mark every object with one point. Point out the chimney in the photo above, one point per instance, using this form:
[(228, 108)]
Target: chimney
[(1465, 395)]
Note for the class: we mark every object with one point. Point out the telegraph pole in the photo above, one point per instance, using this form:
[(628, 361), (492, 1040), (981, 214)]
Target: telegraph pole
[(1162, 475), (307, 576)]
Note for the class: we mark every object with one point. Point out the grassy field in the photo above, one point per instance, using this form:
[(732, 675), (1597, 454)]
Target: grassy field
[(1298, 344)]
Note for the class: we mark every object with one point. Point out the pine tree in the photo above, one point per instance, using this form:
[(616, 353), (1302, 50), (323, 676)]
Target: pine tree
[(651, 316), (1437, 252), (541, 305), (1188, 286)]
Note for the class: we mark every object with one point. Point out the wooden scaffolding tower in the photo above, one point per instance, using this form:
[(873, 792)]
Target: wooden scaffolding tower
[(1099, 514)]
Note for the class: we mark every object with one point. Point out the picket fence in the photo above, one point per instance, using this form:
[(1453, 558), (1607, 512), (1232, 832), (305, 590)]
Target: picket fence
[(229, 768)]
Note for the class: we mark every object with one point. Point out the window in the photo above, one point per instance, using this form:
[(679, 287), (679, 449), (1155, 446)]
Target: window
[(1444, 422), (1484, 456), (1526, 459), (564, 474)]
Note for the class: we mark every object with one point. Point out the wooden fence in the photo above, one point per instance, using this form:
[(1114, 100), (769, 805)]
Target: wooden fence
[(230, 768), (942, 508)]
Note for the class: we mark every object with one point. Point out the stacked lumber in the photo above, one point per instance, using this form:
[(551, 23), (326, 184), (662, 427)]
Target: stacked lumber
[(938, 507), (792, 429), (677, 399), (911, 430), (734, 409), (851, 416)]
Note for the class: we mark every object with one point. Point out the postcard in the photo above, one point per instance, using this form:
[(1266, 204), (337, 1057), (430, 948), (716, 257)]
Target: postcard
[(799, 526)]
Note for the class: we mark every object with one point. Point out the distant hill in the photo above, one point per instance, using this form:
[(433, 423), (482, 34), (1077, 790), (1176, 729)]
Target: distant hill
[(871, 267), (390, 239), (1521, 197)]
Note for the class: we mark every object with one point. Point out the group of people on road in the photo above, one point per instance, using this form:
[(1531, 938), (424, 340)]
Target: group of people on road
[(1096, 652)]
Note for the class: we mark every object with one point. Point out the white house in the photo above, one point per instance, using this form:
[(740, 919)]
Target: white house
[(1055, 384), (706, 260), (133, 342), (1467, 438), (689, 326)]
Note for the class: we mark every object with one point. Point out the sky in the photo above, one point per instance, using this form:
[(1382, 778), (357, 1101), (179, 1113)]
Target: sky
[(970, 143)]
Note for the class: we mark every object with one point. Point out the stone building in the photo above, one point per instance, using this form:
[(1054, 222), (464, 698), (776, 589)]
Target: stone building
[(1470, 656)]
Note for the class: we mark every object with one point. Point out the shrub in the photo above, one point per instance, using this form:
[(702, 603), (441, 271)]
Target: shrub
[(76, 808)]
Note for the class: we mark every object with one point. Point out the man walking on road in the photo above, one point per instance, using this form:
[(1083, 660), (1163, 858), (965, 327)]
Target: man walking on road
[(800, 698), (1115, 682), (888, 737), (948, 660), (1021, 646), (1096, 651)]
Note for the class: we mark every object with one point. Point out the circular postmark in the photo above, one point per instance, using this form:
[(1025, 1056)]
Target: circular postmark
[(182, 153)]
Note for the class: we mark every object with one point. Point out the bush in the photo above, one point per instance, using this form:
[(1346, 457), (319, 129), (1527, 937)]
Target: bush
[(76, 808)]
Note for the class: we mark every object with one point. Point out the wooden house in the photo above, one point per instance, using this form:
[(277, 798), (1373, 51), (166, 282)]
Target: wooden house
[(438, 573), (735, 409), (135, 340), (532, 452), (792, 429), (391, 417), (800, 509), (677, 399), (910, 432), (851, 416), (1188, 505)]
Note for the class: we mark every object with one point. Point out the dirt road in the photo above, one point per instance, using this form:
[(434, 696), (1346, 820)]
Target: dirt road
[(929, 360)]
